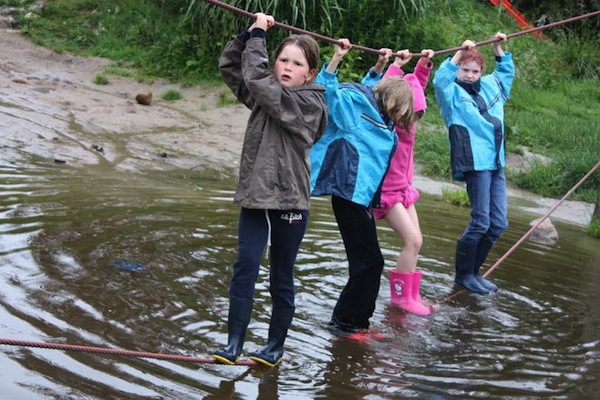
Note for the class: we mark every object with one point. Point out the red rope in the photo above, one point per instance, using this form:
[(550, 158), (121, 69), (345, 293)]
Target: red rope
[(379, 52), (126, 353), (529, 232)]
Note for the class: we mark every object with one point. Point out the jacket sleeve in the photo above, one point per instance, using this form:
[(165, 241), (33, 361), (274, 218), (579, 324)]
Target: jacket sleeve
[(422, 73), (230, 66), (393, 70), (372, 78), (443, 83), (505, 72), (339, 101), (287, 106)]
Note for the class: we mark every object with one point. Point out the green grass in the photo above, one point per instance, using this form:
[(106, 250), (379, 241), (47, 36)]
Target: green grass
[(101, 80), (226, 98), (594, 229), (171, 95), (457, 197)]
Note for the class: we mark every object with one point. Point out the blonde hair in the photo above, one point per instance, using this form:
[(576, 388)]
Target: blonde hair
[(395, 97)]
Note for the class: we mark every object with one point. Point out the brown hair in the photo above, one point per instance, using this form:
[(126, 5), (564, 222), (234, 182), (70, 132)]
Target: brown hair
[(396, 99), (472, 55), (307, 44)]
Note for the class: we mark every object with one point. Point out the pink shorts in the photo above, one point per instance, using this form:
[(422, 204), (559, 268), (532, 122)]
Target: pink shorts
[(407, 197)]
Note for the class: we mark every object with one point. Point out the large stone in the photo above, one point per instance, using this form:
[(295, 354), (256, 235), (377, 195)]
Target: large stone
[(545, 233)]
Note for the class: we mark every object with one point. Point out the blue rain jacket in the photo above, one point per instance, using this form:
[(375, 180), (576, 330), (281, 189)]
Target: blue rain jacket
[(352, 156), (475, 116)]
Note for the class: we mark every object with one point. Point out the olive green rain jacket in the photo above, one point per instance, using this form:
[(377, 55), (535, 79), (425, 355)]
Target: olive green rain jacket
[(283, 126)]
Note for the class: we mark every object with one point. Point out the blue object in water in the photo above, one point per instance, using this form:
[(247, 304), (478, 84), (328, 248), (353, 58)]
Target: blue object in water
[(129, 266)]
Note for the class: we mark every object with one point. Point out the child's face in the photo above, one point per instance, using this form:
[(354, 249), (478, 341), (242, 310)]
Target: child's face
[(291, 68), (469, 72)]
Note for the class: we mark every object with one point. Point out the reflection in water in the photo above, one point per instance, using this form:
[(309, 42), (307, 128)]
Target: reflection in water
[(62, 230)]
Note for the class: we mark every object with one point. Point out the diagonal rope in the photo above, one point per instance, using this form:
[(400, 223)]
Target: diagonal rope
[(529, 232), (379, 52), (126, 353)]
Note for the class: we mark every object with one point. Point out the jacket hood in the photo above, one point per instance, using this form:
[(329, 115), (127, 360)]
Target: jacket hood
[(420, 103)]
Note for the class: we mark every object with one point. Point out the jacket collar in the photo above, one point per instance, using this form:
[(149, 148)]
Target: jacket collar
[(471, 88)]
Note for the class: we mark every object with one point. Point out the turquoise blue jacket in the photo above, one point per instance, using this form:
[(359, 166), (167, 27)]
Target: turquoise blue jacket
[(474, 116), (352, 156)]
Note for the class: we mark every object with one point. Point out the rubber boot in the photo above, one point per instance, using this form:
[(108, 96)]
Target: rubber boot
[(271, 354), (416, 289), (465, 265), (237, 323), (401, 288), (483, 249)]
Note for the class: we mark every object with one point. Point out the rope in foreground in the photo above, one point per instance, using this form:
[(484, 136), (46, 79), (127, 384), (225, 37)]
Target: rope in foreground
[(379, 52), (117, 352)]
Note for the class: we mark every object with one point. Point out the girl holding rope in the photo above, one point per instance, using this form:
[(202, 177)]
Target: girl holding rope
[(398, 196), (288, 116), (472, 107)]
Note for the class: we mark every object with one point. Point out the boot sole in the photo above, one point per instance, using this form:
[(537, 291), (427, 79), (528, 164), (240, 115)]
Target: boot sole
[(224, 360)]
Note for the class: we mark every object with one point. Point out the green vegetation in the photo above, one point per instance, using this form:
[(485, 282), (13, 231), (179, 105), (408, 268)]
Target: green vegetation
[(15, 3), (554, 107), (458, 197), (226, 99), (101, 80), (171, 95)]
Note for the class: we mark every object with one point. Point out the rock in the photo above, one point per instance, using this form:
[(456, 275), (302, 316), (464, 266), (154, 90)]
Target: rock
[(545, 233), (144, 98)]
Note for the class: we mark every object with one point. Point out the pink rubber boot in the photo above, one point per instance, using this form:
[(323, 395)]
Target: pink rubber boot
[(401, 287), (416, 288)]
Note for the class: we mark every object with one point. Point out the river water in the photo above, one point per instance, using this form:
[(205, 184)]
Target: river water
[(62, 230)]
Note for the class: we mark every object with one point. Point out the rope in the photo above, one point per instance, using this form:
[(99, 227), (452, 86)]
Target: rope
[(126, 353), (529, 232), (379, 52)]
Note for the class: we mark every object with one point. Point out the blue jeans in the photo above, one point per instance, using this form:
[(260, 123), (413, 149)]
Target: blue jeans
[(487, 194), (286, 230)]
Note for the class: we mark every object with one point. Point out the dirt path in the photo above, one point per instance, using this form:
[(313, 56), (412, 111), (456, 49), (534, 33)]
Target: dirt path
[(51, 108)]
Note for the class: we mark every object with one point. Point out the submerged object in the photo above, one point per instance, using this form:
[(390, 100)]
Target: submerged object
[(128, 266)]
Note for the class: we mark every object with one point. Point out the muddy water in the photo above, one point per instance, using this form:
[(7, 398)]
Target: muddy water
[(61, 230)]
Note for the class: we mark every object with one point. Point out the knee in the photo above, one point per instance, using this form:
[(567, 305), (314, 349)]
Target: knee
[(415, 242), (498, 229)]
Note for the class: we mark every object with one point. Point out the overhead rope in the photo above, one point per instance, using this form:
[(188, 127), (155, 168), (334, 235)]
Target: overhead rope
[(379, 52), (117, 352), (529, 232)]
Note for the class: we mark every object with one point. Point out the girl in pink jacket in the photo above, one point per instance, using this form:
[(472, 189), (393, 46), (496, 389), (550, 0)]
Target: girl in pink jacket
[(398, 197)]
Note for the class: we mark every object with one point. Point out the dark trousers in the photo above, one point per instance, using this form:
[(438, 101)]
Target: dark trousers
[(356, 303), (287, 230)]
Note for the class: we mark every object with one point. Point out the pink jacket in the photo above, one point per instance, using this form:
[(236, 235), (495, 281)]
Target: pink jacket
[(401, 169)]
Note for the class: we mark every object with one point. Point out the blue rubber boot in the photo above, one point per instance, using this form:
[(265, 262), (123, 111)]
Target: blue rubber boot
[(237, 323), (271, 354), (465, 265), (483, 250)]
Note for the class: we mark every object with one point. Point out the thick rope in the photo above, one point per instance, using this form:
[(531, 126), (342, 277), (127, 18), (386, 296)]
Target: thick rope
[(529, 232), (379, 52), (126, 353)]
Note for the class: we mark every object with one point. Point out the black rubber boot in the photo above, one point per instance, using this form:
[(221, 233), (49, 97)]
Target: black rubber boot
[(483, 250), (238, 320), (465, 264), (270, 355)]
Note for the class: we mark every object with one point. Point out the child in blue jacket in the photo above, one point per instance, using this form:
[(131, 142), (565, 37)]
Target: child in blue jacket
[(349, 163), (472, 106)]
